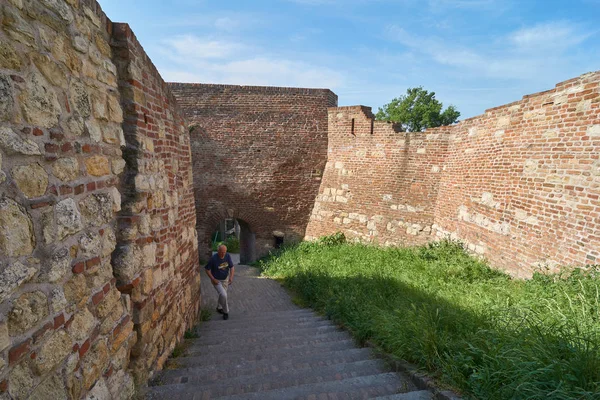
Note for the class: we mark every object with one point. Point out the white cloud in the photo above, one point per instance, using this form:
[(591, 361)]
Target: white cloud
[(523, 54), (195, 59), (549, 35), (194, 47)]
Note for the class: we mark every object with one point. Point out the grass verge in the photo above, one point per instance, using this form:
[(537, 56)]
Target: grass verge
[(472, 327)]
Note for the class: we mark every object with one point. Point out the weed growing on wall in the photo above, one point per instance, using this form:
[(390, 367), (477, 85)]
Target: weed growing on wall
[(473, 327)]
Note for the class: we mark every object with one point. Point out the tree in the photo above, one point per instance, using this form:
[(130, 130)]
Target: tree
[(417, 110)]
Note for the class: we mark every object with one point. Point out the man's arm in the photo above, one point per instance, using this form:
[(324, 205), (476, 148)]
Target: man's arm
[(231, 273), (212, 278)]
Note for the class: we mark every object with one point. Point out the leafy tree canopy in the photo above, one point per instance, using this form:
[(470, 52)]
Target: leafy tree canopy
[(417, 110)]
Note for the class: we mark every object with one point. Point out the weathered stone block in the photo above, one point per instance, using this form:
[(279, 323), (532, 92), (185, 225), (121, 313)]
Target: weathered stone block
[(12, 276), (6, 98), (27, 311), (108, 303), (50, 69), (66, 169), (99, 392), (12, 143), (57, 266), (31, 179), (83, 323), (8, 57), (52, 388), (52, 352), (76, 289), (17, 27), (21, 381), (80, 98), (19, 240), (97, 166), (58, 302), (39, 102), (97, 209), (67, 218), (94, 363)]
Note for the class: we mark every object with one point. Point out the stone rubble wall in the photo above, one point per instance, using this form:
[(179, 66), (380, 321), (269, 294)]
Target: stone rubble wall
[(156, 260), (258, 155), (78, 313), (520, 185), (380, 185)]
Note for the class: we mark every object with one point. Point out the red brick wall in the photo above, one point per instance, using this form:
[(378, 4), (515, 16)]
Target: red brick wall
[(380, 185), (156, 260), (522, 181), (258, 155), (520, 185)]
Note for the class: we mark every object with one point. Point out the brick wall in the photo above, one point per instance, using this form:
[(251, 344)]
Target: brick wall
[(522, 182), (258, 155), (380, 185), (156, 260), (520, 185)]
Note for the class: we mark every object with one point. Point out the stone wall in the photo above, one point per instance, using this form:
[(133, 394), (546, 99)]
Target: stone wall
[(380, 185), (258, 155), (156, 260), (520, 185), (75, 306)]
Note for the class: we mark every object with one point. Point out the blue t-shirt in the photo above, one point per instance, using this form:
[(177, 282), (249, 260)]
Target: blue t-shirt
[(219, 267)]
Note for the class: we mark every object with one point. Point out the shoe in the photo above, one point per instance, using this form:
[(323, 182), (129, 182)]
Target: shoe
[(225, 316), (220, 311)]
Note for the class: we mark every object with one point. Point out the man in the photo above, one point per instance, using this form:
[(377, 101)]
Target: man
[(220, 271)]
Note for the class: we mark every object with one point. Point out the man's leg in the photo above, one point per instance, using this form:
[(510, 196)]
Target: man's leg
[(221, 289)]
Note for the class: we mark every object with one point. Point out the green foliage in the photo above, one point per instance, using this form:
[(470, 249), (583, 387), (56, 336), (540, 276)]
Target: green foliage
[(417, 110), (473, 327), (332, 240), (191, 334), (205, 315), (232, 243)]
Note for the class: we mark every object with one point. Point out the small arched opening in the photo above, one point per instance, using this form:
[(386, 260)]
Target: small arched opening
[(238, 237)]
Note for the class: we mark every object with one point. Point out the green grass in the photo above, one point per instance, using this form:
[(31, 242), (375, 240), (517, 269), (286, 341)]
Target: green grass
[(472, 327)]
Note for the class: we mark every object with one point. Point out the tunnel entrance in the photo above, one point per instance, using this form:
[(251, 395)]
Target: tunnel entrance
[(238, 237)]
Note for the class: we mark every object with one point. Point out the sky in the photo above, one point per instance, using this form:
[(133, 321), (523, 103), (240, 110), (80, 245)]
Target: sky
[(474, 54)]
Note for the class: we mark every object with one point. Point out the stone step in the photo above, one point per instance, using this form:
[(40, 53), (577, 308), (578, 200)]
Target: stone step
[(270, 333), (257, 341), (265, 326), (237, 355), (416, 395), (294, 360), (261, 316), (360, 387), (276, 354), (194, 379)]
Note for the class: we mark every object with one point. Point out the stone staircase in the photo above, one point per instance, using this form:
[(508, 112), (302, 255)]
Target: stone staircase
[(271, 349)]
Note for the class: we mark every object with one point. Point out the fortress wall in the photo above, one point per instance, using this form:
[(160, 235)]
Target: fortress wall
[(520, 185), (156, 260), (71, 307), (522, 182), (380, 185), (64, 327), (258, 155)]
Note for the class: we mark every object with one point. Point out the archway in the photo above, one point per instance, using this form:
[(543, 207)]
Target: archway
[(239, 238)]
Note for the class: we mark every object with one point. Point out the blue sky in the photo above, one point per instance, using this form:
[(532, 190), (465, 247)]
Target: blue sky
[(474, 54)]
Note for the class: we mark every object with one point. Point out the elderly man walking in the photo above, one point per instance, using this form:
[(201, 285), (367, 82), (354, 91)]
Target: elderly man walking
[(220, 271)]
